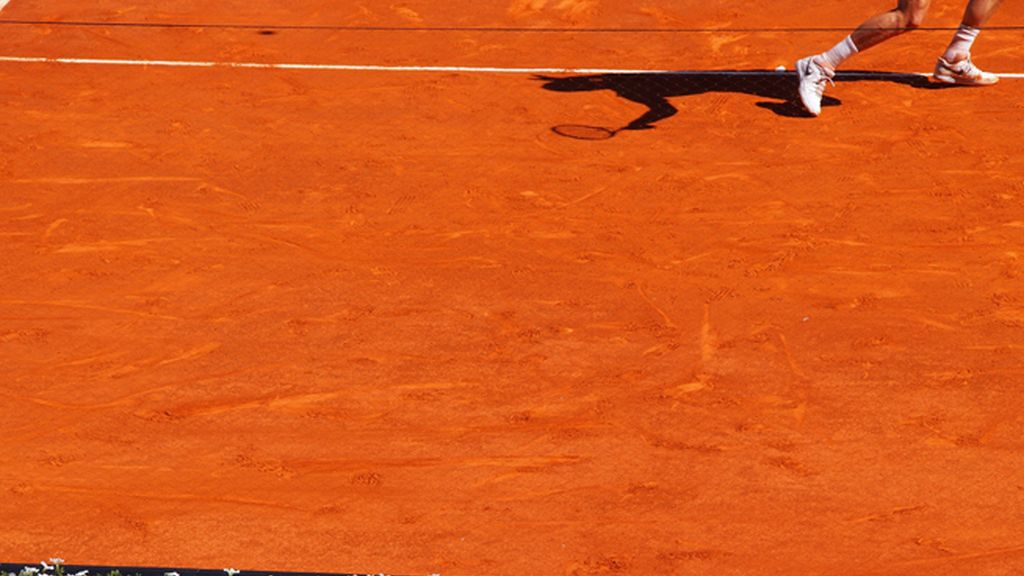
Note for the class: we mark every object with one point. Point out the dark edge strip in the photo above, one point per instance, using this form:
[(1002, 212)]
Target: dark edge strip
[(344, 28), (71, 569)]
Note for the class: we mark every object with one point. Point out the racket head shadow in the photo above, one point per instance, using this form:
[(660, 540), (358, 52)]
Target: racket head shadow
[(584, 132)]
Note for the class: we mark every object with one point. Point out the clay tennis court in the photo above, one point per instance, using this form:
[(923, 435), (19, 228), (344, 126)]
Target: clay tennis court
[(387, 320)]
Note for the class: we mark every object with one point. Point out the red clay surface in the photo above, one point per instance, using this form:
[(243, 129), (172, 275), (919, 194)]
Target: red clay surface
[(390, 322)]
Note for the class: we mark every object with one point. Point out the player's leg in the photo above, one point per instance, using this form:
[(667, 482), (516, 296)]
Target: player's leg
[(955, 66), (817, 71), (979, 11), (908, 15)]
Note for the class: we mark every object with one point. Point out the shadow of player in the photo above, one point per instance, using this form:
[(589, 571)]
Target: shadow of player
[(654, 89)]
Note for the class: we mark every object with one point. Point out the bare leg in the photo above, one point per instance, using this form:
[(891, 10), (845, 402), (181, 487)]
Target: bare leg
[(909, 14), (975, 15), (979, 11)]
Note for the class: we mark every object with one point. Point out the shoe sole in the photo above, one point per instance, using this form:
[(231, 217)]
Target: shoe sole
[(954, 81)]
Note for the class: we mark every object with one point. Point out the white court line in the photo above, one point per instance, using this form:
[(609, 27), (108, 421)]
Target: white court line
[(476, 69), (3, 4)]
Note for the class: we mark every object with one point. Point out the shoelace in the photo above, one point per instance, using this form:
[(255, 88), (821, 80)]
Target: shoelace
[(964, 67), (823, 79), (967, 68)]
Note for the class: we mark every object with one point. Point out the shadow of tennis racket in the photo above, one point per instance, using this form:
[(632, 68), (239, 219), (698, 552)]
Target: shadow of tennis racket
[(585, 132)]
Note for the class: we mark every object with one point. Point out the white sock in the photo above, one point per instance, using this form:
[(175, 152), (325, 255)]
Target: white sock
[(840, 52), (961, 44)]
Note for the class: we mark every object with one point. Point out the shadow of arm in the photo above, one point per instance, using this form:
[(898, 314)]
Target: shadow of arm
[(658, 110)]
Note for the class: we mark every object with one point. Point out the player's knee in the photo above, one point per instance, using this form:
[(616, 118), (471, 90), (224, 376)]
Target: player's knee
[(913, 20), (913, 14)]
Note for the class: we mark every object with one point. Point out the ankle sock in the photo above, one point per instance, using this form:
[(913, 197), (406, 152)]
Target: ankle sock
[(961, 44), (840, 52)]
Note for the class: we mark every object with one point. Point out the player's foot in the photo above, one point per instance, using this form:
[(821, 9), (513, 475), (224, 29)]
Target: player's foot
[(813, 77), (963, 72)]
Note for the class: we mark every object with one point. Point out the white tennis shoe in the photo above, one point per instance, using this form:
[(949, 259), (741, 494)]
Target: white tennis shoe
[(813, 78), (963, 72)]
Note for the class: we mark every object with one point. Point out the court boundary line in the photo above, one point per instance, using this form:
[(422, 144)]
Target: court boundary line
[(3, 4), (450, 69)]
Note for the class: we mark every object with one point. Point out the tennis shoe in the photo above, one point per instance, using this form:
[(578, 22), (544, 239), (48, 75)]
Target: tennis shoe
[(963, 72), (813, 78)]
